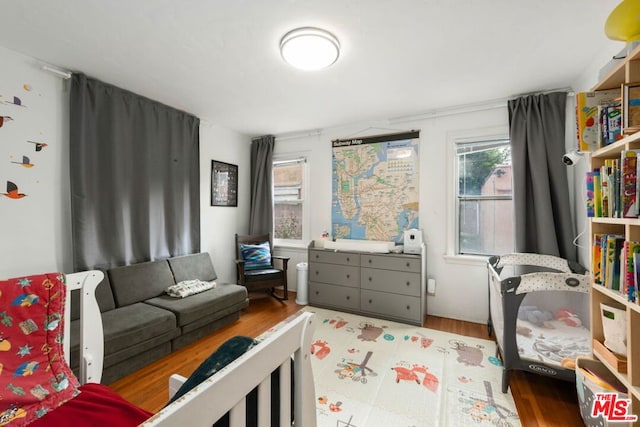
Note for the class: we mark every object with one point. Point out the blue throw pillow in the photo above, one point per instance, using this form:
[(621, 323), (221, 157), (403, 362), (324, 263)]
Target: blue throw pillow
[(256, 256)]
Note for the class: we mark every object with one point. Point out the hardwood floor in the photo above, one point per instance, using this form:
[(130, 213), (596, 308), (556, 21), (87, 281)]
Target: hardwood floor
[(541, 401)]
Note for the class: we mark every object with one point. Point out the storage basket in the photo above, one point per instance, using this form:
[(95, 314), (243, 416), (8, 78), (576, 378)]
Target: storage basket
[(587, 386)]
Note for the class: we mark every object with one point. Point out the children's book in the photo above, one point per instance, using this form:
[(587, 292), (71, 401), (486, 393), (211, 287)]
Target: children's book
[(596, 257), (629, 288), (628, 187), (591, 209), (597, 193), (614, 246), (587, 115)]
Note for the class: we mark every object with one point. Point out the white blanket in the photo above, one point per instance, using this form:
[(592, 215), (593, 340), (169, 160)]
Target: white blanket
[(189, 287)]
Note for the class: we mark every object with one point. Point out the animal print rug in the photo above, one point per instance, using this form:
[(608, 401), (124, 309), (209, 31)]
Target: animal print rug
[(372, 372)]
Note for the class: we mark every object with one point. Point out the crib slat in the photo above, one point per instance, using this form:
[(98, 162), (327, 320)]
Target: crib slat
[(237, 414), (285, 393), (264, 402)]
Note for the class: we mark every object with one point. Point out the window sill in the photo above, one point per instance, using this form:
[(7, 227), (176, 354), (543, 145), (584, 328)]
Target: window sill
[(466, 259), (290, 245)]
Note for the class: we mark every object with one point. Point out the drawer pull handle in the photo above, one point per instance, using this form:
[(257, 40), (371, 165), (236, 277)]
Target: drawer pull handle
[(317, 256), (347, 259), (370, 279), (317, 292), (408, 307), (370, 301), (408, 264), (317, 272), (408, 283), (348, 276), (370, 261), (348, 297)]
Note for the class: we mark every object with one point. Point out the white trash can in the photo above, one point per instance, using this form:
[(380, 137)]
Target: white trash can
[(302, 293)]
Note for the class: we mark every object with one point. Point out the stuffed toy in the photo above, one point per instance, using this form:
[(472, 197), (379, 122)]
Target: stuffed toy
[(569, 317), (536, 316)]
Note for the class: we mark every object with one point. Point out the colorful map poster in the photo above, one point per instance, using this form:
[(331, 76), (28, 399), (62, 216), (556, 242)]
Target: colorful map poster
[(375, 186)]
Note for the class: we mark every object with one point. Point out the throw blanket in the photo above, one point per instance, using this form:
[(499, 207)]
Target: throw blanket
[(189, 287)]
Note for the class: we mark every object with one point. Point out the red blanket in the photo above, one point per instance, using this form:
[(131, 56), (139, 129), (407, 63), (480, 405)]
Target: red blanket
[(95, 406)]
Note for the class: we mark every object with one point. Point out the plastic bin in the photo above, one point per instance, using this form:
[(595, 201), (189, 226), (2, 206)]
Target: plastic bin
[(302, 284)]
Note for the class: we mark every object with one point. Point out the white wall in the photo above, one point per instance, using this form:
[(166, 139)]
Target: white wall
[(36, 230), (461, 283), (218, 224)]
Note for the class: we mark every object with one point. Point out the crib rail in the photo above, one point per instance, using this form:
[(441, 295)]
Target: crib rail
[(226, 391)]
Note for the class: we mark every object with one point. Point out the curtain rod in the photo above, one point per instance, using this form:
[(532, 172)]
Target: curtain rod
[(60, 73)]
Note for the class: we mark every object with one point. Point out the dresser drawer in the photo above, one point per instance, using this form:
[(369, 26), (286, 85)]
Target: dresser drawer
[(397, 282), (390, 262), (331, 257), (334, 296), (334, 274), (391, 305)]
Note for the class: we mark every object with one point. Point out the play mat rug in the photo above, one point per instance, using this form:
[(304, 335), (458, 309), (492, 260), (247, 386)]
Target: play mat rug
[(372, 372)]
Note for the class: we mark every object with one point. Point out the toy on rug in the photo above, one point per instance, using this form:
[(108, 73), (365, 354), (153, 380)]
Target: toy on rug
[(536, 316)]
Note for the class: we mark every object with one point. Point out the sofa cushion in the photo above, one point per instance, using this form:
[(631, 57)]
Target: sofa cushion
[(196, 266), (139, 282), (201, 305), (104, 296), (134, 324)]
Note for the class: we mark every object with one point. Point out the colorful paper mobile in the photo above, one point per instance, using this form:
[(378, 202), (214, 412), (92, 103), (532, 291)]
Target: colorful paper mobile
[(12, 191), (39, 145), (25, 162)]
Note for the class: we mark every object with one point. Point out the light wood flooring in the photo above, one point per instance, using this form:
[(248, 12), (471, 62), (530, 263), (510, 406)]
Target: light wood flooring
[(541, 401)]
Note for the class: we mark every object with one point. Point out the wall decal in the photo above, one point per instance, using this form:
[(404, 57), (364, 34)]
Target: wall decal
[(25, 162), (38, 145), (16, 101), (4, 119), (12, 191), (26, 87)]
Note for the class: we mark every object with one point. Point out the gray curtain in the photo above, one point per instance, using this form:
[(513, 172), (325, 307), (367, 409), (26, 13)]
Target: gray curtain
[(135, 180), (543, 221), (261, 207)]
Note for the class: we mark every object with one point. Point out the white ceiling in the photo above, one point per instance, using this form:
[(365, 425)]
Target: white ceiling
[(219, 59)]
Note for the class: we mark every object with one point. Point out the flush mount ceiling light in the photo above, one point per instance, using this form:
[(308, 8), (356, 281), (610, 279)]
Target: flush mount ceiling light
[(309, 48)]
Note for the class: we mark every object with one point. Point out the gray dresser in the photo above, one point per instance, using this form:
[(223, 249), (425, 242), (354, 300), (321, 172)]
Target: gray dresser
[(391, 286)]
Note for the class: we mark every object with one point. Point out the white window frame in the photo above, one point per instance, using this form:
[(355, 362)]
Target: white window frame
[(454, 138), (290, 158)]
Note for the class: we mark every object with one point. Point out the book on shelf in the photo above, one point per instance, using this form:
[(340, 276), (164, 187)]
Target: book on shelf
[(629, 183), (631, 107), (615, 264), (590, 194), (633, 294), (587, 115), (596, 257)]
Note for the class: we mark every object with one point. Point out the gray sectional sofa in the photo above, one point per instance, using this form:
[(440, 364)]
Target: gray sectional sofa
[(142, 324)]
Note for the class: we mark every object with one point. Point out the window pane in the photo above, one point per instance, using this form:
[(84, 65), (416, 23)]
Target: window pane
[(287, 220), (486, 227), (288, 199), (485, 171)]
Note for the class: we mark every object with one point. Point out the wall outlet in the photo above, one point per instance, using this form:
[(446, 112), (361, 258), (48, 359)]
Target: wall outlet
[(431, 286)]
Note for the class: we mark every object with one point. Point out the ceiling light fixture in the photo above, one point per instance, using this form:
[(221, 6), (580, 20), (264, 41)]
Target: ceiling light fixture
[(309, 48)]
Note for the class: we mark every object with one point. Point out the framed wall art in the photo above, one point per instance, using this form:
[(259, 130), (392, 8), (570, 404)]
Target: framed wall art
[(224, 184)]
